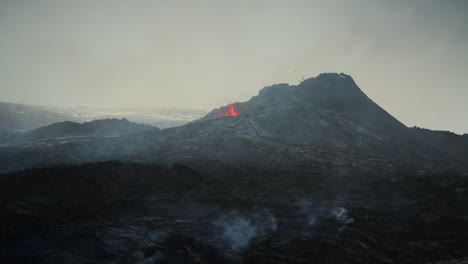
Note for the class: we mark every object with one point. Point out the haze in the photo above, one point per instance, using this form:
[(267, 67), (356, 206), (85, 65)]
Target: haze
[(410, 57)]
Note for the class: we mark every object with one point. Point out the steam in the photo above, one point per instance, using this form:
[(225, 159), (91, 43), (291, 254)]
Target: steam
[(313, 212), (310, 210), (341, 214), (231, 233), (236, 231)]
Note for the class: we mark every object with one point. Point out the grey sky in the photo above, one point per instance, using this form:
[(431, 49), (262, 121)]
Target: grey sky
[(411, 57)]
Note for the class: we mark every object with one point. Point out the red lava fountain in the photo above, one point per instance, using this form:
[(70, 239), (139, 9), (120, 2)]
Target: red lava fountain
[(232, 111)]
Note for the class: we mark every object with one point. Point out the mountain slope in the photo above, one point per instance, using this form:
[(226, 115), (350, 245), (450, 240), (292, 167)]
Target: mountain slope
[(284, 134)]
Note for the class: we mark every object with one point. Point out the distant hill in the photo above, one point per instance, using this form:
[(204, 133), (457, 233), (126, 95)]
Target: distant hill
[(67, 129), (98, 128)]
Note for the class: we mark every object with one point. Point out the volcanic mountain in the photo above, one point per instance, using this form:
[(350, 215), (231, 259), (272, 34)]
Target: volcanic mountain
[(326, 117), (323, 118), (328, 92)]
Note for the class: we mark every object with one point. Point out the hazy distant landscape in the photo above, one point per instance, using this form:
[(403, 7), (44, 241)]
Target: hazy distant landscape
[(20, 117), (208, 132)]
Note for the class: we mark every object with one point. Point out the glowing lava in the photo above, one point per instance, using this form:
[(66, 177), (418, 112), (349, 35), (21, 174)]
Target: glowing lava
[(232, 111)]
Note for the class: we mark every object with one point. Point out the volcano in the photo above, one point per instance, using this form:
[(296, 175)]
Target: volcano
[(335, 93), (327, 117)]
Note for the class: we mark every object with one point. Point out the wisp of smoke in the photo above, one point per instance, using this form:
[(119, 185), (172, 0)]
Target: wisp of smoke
[(341, 214), (236, 231), (310, 210)]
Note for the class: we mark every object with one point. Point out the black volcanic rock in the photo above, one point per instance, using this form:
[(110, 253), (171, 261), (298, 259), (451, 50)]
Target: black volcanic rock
[(116, 212)]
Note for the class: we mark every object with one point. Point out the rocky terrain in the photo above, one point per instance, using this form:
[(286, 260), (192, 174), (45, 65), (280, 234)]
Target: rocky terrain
[(114, 212), (312, 173)]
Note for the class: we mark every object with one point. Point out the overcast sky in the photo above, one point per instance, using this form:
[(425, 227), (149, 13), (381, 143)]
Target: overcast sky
[(410, 57)]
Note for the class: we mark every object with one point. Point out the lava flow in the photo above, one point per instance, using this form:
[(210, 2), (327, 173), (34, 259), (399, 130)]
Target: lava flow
[(232, 111)]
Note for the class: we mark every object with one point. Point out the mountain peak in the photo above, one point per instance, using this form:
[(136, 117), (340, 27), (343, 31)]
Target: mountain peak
[(329, 84), (331, 76)]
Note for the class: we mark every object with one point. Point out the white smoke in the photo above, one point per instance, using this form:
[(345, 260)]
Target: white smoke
[(310, 210), (313, 212), (236, 231), (341, 214)]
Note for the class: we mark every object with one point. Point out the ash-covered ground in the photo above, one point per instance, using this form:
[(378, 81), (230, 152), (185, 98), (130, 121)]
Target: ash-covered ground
[(114, 212)]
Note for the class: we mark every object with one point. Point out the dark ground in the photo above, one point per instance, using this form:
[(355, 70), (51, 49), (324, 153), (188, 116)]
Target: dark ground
[(114, 212)]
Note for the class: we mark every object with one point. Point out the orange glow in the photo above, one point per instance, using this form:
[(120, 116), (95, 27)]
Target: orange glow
[(232, 111)]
